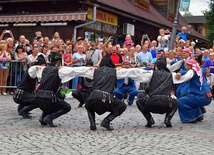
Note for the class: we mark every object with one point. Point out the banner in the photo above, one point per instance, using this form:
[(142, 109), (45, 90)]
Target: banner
[(184, 5), (103, 17)]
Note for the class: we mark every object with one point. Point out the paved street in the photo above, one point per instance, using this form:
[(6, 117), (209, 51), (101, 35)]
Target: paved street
[(73, 137)]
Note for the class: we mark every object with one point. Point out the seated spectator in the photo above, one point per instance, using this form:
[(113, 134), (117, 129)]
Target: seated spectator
[(126, 85)]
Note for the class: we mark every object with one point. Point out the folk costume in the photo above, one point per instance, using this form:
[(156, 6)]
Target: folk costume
[(24, 95), (198, 95), (51, 102), (159, 98), (101, 98)]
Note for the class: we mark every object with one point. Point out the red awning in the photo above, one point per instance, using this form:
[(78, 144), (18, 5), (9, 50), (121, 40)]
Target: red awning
[(56, 17)]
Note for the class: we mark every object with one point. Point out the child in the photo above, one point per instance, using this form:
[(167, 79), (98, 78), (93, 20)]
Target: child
[(128, 40)]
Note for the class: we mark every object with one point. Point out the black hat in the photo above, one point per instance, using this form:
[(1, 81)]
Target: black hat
[(40, 60), (55, 56)]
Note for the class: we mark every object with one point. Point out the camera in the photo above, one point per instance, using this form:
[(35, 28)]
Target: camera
[(145, 36), (7, 31)]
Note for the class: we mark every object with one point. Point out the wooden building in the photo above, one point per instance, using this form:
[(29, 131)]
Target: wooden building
[(113, 17)]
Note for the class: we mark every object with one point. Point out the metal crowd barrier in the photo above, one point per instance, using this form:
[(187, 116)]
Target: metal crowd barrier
[(11, 71)]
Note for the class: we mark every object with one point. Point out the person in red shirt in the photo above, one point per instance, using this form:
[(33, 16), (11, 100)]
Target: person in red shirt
[(115, 56)]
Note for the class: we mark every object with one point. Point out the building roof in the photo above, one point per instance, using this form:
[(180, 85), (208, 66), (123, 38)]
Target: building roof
[(152, 16), (195, 19)]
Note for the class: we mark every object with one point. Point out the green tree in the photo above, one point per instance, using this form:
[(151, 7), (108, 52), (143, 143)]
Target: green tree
[(187, 14), (209, 14)]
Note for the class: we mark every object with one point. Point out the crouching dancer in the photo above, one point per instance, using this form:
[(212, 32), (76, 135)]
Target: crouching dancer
[(101, 98), (51, 102), (159, 98), (24, 94)]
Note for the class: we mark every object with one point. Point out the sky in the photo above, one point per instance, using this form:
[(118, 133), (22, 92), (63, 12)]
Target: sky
[(196, 6)]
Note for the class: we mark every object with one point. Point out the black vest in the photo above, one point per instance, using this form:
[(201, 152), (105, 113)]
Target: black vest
[(105, 79), (159, 76), (50, 79), (27, 84)]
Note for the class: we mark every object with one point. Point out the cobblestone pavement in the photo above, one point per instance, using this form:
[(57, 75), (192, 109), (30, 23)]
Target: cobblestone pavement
[(72, 137)]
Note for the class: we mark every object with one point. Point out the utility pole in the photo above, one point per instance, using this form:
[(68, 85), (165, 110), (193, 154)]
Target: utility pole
[(174, 28)]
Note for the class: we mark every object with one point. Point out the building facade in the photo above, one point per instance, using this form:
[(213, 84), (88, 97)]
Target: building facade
[(113, 18)]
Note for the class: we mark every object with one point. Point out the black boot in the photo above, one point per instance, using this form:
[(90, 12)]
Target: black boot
[(24, 112), (49, 118), (108, 119), (168, 117), (91, 116), (80, 105), (149, 118), (41, 119), (19, 108), (203, 110)]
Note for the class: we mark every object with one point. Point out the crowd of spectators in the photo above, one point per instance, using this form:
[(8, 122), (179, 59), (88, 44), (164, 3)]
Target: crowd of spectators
[(23, 53)]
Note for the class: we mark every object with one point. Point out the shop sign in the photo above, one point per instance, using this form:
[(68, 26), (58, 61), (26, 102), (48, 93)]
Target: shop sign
[(103, 17)]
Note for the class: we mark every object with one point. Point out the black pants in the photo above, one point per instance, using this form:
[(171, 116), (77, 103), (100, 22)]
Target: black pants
[(101, 107), (81, 95), (25, 99), (158, 105)]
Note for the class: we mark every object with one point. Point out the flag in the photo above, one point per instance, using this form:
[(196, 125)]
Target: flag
[(184, 5)]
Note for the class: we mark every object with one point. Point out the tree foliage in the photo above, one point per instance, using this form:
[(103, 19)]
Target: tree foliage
[(209, 15), (187, 14)]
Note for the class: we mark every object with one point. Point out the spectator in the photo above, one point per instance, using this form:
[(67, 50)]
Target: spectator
[(145, 57), (115, 56), (56, 36), (4, 67), (137, 49), (210, 63), (79, 59), (126, 85), (206, 55), (153, 48), (21, 65), (32, 57), (183, 34), (132, 57), (94, 54), (68, 56), (163, 40)]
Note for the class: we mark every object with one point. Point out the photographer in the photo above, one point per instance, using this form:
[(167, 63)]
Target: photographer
[(7, 32), (163, 39), (94, 54)]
